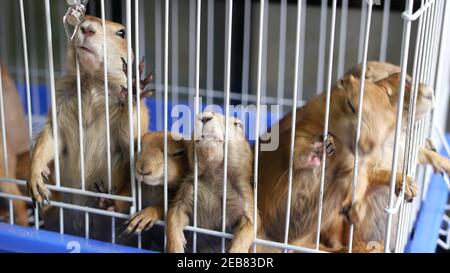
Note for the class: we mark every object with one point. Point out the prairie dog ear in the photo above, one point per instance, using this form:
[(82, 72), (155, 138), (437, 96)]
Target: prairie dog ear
[(392, 83), (339, 84)]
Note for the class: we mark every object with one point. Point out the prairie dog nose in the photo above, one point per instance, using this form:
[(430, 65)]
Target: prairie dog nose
[(87, 30), (205, 117)]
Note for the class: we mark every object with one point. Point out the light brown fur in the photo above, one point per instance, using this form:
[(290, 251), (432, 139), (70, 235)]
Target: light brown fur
[(373, 226), (150, 172), (89, 45), (209, 144), (16, 142), (339, 170)]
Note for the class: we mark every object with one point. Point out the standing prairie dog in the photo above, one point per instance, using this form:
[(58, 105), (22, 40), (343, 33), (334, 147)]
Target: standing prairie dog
[(307, 160), (88, 45), (209, 139), (149, 170)]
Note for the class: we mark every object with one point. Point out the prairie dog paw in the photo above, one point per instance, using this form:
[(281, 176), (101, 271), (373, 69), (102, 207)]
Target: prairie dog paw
[(176, 244), (410, 188), (37, 189), (311, 157), (142, 220)]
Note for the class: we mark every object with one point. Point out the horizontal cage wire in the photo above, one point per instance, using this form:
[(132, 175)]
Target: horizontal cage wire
[(216, 126)]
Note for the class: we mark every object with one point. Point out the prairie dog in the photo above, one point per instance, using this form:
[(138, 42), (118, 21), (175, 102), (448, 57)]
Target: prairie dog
[(20, 207), (209, 144), (307, 159), (88, 44), (150, 172), (16, 142), (373, 226)]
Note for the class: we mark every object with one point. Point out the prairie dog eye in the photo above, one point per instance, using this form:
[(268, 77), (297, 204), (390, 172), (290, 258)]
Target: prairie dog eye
[(121, 33), (179, 153), (238, 124), (351, 106)]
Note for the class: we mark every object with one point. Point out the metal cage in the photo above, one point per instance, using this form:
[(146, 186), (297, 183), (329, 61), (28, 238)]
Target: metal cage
[(227, 52)]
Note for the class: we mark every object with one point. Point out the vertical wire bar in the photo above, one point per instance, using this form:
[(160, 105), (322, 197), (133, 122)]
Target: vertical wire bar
[(138, 104), (427, 45), (433, 41), (166, 106), (4, 51), (441, 44), (258, 102), (342, 39), (36, 218), (302, 53), (53, 92), (11, 211), (322, 47), (401, 227), (2, 113), (264, 56), (438, 79), (409, 134), (229, 32), (430, 42), (130, 104), (192, 26), (326, 119), (438, 32), (404, 63), (86, 221), (412, 113), (27, 75), (246, 53), (61, 220), (80, 124), (282, 52), (416, 145), (81, 139), (34, 62), (61, 42), (174, 48), (361, 31), (15, 29), (385, 30), (158, 64), (108, 131), (197, 107), (294, 121), (210, 52), (360, 110)]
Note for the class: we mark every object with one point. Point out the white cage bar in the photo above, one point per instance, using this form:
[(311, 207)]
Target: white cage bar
[(174, 83)]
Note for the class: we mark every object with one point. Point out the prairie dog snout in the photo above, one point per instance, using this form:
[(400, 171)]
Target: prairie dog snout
[(88, 44), (211, 127), (150, 161)]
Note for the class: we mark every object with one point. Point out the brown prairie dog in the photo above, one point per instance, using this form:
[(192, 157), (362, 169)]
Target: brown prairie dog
[(374, 225), (149, 170), (16, 142), (307, 155), (88, 44), (209, 144), (20, 207)]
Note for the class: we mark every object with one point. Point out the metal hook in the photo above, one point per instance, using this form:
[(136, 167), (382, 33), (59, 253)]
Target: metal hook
[(74, 16)]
